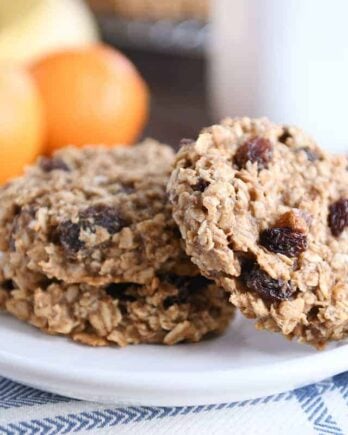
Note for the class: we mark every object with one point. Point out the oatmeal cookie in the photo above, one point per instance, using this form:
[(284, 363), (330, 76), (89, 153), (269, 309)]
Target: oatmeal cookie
[(264, 212), (168, 310), (93, 215)]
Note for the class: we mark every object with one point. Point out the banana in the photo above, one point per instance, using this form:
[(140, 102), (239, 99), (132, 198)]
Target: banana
[(32, 28)]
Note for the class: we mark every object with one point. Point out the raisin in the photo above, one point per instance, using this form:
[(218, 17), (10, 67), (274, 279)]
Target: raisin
[(285, 136), (311, 154), (169, 301), (268, 288), (255, 150), (338, 216), (54, 163), (176, 232), (16, 209), (186, 285), (201, 185), (284, 241), (7, 285), (68, 235), (181, 298), (119, 291), (191, 283), (103, 216), (313, 313), (198, 283), (45, 282)]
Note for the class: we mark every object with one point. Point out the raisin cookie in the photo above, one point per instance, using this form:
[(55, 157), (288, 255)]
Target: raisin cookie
[(90, 250), (168, 310), (264, 212), (93, 216)]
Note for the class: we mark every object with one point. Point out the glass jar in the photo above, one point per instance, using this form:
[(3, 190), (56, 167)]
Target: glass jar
[(287, 60)]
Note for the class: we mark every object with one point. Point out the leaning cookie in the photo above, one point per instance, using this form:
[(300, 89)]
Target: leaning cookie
[(264, 212), (168, 310), (94, 215)]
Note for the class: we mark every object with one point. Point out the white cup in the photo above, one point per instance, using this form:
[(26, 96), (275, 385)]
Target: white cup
[(284, 59)]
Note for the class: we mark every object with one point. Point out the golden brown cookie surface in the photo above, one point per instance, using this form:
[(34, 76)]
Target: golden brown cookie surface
[(264, 212), (92, 215), (90, 250), (169, 310)]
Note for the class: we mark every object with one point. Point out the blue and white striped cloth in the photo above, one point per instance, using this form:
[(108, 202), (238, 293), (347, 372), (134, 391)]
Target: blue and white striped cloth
[(321, 408)]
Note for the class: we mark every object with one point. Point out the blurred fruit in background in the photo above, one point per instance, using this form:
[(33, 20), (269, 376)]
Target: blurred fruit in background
[(32, 28), (91, 95), (155, 9), (21, 121)]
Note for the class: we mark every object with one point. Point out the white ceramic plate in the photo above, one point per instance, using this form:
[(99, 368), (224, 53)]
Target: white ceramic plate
[(243, 364)]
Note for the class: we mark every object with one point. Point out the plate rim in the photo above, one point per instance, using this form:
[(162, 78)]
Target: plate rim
[(169, 388)]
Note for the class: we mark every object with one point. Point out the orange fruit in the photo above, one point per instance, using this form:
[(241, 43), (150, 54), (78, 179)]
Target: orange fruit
[(92, 95), (21, 121)]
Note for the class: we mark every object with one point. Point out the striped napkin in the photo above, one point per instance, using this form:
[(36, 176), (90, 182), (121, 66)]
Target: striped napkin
[(321, 408)]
